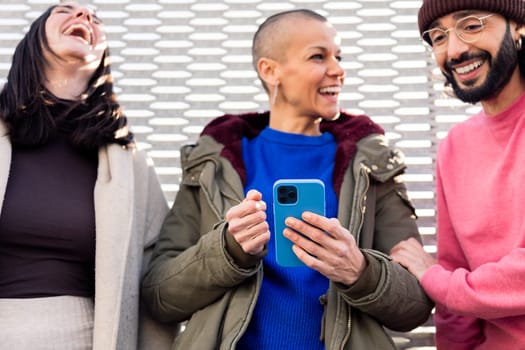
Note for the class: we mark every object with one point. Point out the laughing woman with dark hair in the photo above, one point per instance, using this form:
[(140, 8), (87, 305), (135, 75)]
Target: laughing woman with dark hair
[(79, 205)]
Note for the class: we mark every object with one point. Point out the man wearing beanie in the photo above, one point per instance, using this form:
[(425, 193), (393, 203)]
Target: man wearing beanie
[(478, 280)]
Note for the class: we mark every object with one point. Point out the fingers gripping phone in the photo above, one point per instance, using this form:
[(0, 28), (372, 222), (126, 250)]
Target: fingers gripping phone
[(291, 197)]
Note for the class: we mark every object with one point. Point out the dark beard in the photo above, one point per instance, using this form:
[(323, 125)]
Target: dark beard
[(500, 72)]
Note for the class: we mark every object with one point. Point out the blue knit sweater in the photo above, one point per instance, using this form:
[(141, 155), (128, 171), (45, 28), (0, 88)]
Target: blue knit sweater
[(288, 312)]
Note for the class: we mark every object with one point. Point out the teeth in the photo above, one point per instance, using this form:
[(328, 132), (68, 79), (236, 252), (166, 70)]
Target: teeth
[(86, 32), (468, 68), (330, 90)]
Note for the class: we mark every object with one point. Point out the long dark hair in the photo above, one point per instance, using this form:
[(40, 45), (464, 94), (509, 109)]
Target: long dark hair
[(33, 115)]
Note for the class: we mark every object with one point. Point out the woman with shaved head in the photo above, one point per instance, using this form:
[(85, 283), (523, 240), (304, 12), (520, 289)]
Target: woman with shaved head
[(215, 262), (79, 205)]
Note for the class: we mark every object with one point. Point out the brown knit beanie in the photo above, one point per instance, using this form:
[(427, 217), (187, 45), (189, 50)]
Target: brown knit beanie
[(434, 9)]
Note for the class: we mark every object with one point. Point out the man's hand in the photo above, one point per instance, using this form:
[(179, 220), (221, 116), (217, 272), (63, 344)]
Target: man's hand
[(410, 254)]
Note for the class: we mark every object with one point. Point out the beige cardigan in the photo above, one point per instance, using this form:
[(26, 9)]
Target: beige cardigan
[(129, 211)]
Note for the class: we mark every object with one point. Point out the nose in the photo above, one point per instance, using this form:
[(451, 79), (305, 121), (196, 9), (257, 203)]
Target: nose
[(85, 13), (455, 46), (336, 69)]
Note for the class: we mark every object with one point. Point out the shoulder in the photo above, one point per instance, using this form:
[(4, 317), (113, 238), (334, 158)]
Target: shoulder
[(383, 160), (142, 162), (232, 127), (465, 127), (206, 147), (463, 134), (120, 161)]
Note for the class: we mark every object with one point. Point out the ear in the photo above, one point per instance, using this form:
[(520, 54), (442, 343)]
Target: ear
[(520, 29), (268, 70)]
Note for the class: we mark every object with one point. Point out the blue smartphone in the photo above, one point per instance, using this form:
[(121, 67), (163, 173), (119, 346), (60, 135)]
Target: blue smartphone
[(291, 197)]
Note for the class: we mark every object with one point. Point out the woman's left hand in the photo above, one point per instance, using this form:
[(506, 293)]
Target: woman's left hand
[(326, 246)]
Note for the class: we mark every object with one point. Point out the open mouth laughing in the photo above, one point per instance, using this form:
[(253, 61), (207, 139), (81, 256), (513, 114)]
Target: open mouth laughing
[(330, 90), (81, 31), (469, 67)]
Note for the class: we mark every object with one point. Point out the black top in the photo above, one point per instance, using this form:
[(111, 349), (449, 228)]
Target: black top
[(47, 222)]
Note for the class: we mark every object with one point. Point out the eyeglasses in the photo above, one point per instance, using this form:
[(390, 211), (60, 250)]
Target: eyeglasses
[(468, 29)]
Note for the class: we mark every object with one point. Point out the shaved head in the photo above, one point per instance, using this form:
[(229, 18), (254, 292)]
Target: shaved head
[(271, 38)]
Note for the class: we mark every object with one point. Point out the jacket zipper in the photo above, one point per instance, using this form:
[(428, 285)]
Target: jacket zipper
[(250, 312), (348, 327), (362, 208), (365, 171)]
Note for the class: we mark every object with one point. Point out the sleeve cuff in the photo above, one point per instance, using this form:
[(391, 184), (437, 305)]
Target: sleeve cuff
[(436, 283), (238, 256), (367, 283)]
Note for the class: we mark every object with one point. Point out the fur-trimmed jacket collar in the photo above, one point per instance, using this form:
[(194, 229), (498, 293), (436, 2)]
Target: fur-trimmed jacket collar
[(348, 129)]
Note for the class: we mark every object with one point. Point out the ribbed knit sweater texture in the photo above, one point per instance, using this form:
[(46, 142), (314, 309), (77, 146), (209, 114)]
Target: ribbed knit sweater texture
[(288, 312)]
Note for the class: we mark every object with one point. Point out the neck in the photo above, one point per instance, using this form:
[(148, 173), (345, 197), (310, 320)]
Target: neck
[(510, 93), (68, 80), (65, 88), (293, 123)]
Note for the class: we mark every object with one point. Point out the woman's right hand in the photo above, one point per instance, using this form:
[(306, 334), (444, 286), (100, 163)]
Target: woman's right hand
[(247, 223)]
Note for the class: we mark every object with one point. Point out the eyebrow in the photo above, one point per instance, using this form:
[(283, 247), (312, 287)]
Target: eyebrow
[(71, 7), (323, 48), (457, 15), (463, 14)]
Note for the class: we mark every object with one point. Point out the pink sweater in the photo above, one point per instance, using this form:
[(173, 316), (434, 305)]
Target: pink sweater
[(481, 234)]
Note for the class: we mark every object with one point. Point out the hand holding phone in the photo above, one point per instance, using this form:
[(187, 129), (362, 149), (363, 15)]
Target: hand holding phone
[(292, 197)]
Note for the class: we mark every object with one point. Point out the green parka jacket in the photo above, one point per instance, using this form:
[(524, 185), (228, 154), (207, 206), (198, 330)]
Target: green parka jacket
[(199, 274)]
